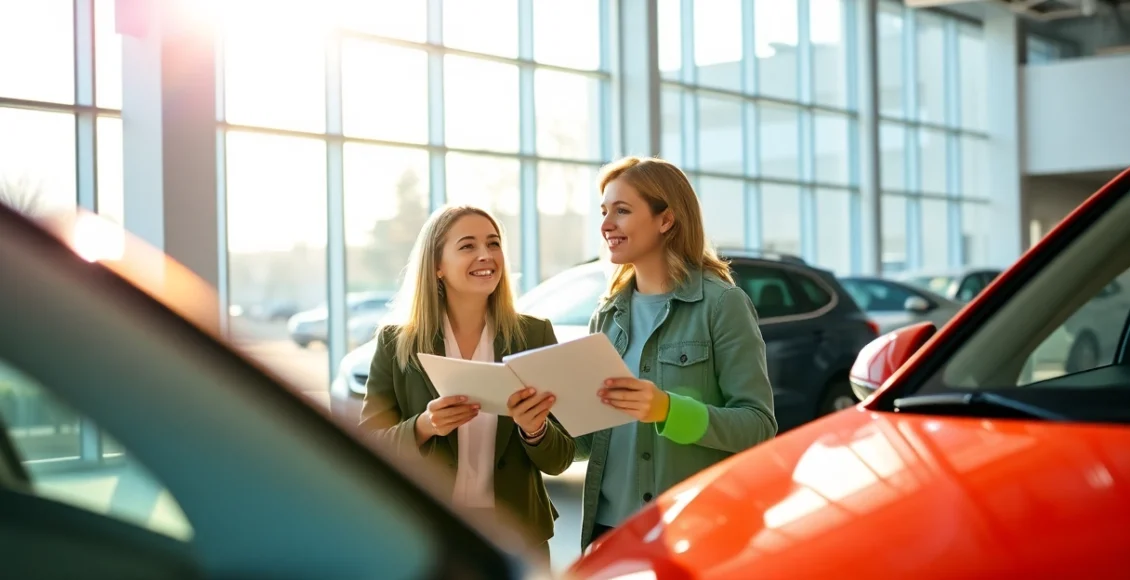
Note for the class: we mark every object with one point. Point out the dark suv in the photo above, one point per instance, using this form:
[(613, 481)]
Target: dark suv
[(813, 329)]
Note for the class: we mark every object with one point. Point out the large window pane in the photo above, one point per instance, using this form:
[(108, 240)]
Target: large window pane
[(829, 52), (37, 161), (277, 248), (935, 233), (780, 218), (974, 233), (894, 257), (108, 56), (393, 18), (931, 69), (568, 209), (933, 158), (37, 50), (386, 204), (671, 125), (775, 32), (718, 43), (890, 45), (779, 132), (480, 104), (111, 176), (567, 33), (384, 91), (720, 135), (892, 156), (671, 35), (722, 202), (274, 71), (568, 115), (833, 230), (971, 67), (832, 148), (487, 26), (974, 169), (491, 183)]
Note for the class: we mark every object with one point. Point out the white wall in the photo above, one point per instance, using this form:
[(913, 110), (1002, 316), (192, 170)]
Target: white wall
[(1048, 199), (1076, 115)]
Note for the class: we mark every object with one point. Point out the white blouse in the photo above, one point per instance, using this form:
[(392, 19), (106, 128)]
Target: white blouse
[(474, 477)]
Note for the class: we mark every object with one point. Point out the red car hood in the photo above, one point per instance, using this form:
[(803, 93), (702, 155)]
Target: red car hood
[(863, 494)]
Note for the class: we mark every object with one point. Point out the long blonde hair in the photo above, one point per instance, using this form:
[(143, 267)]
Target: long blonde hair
[(664, 186), (421, 303)]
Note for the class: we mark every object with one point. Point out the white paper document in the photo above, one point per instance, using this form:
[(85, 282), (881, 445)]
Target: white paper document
[(573, 371)]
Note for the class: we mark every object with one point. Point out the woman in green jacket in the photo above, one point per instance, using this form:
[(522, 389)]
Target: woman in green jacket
[(459, 304), (690, 335)]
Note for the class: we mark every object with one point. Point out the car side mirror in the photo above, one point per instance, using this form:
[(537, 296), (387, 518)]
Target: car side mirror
[(916, 304), (878, 361)]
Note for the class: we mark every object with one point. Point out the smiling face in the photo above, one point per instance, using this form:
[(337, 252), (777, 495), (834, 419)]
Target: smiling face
[(630, 228), (471, 259)]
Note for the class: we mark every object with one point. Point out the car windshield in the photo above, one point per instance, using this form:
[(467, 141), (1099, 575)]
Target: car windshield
[(1061, 341), (936, 284), (567, 299)]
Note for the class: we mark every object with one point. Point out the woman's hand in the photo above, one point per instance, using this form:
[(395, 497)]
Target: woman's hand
[(529, 409), (445, 415), (638, 398)]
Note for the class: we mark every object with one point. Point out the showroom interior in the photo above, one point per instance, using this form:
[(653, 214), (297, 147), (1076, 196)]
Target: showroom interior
[(289, 160), (288, 153)]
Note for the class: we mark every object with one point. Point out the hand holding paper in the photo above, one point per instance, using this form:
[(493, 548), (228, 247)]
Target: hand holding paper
[(636, 397), (572, 371)]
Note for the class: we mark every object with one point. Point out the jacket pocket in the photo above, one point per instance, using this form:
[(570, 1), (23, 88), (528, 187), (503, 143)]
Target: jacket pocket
[(684, 366)]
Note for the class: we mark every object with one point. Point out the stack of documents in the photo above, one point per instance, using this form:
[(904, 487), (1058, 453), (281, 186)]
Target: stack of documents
[(573, 371)]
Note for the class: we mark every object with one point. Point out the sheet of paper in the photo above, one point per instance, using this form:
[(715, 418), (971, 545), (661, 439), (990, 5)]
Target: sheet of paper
[(574, 371), (488, 384)]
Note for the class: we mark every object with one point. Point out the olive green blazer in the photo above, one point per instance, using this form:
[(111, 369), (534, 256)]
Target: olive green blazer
[(397, 396)]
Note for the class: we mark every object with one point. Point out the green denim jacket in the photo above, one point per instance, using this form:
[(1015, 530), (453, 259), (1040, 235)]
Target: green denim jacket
[(707, 353), (395, 397)]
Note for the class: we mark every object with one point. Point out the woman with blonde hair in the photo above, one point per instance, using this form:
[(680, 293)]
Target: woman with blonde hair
[(690, 335), (458, 302)]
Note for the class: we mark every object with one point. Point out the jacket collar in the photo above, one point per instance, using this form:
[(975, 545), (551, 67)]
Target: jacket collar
[(689, 291)]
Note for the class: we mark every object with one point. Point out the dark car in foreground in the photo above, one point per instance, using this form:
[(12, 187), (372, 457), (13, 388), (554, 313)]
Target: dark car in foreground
[(154, 449)]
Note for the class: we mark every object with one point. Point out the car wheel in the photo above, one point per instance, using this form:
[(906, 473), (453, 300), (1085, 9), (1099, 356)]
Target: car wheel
[(837, 397), (1084, 354)]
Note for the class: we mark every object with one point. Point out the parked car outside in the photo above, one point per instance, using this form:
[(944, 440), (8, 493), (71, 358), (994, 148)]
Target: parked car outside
[(977, 463), (894, 304), (365, 311), (960, 285), (812, 329)]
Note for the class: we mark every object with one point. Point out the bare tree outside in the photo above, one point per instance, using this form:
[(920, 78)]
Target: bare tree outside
[(23, 195)]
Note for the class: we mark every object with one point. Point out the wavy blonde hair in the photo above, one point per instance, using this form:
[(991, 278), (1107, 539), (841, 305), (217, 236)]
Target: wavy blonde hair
[(420, 301), (665, 187)]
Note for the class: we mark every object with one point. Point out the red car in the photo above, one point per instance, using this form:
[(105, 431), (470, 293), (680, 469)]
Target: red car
[(986, 449)]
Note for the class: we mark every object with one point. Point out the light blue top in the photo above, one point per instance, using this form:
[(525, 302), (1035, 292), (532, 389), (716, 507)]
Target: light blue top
[(620, 496)]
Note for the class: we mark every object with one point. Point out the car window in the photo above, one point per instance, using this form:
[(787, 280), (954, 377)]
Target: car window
[(568, 301), (970, 287), (817, 295), (69, 460), (935, 284), (875, 296), (769, 289), (1088, 339)]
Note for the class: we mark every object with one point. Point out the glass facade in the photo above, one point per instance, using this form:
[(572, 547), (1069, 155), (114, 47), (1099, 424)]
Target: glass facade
[(932, 139), (60, 112), (759, 107), (395, 110), (342, 128)]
